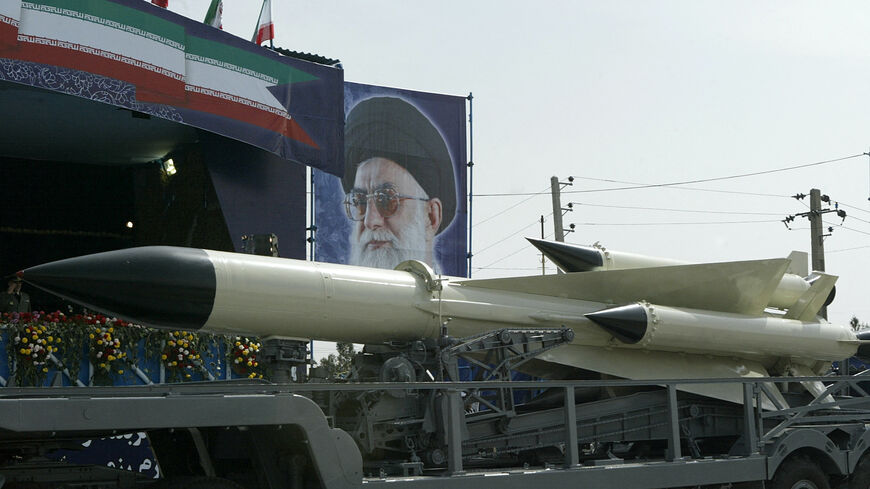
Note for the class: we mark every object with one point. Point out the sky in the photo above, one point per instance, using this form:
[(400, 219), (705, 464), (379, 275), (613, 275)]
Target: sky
[(646, 92)]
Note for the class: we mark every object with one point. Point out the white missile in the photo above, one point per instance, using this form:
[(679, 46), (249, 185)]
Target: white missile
[(576, 258), (709, 316)]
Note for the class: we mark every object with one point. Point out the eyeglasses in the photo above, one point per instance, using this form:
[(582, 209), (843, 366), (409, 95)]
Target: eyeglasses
[(386, 202)]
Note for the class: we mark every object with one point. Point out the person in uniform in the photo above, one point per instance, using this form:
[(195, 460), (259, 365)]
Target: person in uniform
[(12, 299)]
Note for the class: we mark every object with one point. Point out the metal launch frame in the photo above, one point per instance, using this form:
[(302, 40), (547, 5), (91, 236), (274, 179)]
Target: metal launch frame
[(281, 430)]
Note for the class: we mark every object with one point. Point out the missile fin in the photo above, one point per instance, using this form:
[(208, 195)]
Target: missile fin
[(656, 365), (743, 287), (568, 257), (799, 260), (807, 307)]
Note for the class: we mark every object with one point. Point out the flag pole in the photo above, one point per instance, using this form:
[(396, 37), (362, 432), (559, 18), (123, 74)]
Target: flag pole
[(257, 27)]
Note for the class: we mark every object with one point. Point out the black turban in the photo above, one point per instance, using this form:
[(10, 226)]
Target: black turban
[(393, 129)]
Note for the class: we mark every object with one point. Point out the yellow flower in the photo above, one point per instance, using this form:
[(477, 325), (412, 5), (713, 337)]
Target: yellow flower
[(22, 351), (91, 336), (171, 343), (120, 371), (261, 376), (111, 330), (186, 376), (111, 358), (50, 339), (250, 363), (102, 365), (99, 330), (45, 369), (57, 340), (24, 340), (99, 342), (190, 337), (163, 357), (35, 336), (238, 343), (252, 375)]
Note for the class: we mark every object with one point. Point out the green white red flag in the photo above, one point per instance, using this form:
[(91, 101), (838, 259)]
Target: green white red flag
[(265, 31), (214, 16)]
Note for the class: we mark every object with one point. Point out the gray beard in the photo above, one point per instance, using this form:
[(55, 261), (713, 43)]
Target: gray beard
[(411, 246)]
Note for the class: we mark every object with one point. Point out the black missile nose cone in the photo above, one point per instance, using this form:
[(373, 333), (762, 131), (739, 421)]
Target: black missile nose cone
[(627, 323), (568, 257), (160, 286)]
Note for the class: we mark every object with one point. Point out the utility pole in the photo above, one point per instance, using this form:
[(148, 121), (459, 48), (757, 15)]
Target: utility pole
[(817, 239), (817, 236), (543, 257), (555, 190)]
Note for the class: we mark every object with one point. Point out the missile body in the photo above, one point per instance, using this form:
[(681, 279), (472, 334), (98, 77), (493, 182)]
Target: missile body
[(653, 327), (575, 258), (643, 323)]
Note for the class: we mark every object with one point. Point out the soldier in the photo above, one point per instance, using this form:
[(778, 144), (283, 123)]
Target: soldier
[(12, 299)]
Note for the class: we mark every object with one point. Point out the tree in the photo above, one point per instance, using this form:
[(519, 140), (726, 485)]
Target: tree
[(338, 366)]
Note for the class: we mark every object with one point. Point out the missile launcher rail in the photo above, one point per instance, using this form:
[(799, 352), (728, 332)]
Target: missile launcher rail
[(262, 435)]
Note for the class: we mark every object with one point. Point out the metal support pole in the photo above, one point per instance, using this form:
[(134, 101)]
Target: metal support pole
[(750, 436), (817, 243), (555, 190), (674, 450), (470, 176), (572, 453), (455, 418)]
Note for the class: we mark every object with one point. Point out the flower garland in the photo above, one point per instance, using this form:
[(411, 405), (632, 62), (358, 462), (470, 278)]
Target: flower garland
[(30, 344), (39, 341), (243, 355)]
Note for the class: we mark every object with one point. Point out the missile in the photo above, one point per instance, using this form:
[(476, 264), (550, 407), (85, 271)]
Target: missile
[(694, 320), (576, 258)]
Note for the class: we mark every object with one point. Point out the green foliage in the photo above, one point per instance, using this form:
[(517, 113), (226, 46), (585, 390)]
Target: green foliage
[(339, 366)]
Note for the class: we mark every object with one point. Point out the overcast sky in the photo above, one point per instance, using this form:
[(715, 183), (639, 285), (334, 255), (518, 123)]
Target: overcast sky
[(643, 92)]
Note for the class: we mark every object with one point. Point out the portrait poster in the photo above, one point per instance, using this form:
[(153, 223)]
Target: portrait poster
[(403, 194)]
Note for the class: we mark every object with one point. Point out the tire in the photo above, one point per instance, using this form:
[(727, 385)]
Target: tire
[(860, 478), (799, 473)]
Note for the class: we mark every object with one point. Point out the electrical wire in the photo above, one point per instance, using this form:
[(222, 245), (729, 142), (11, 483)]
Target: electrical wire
[(674, 223), (679, 210), (686, 182), (847, 249), (736, 192), (542, 192), (526, 247), (509, 236)]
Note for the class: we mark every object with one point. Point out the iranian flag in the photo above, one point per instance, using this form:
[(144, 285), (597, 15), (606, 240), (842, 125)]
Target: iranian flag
[(214, 16), (265, 30)]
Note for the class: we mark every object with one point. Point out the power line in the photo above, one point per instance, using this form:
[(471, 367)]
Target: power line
[(728, 177), (525, 247), (701, 223), (848, 249), (678, 210), (511, 207), (736, 192), (633, 186), (509, 236)]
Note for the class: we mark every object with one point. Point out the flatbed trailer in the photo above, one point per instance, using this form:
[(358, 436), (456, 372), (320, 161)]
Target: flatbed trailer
[(647, 434)]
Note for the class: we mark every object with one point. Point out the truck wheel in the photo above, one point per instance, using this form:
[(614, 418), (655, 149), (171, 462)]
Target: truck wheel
[(860, 478), (799, 473)]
